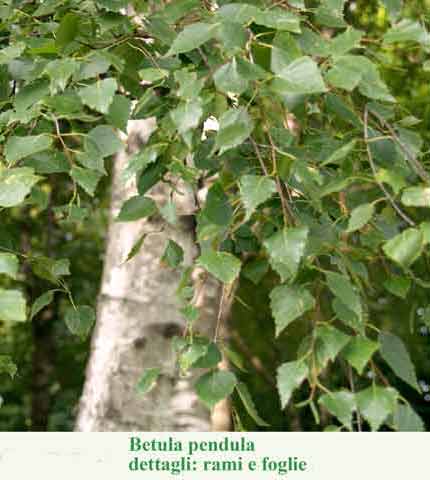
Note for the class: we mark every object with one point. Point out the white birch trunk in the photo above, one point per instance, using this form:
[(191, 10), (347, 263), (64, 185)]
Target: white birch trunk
[(137, 318)]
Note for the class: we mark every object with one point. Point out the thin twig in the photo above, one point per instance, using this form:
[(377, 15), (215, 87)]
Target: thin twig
[(372, 165)]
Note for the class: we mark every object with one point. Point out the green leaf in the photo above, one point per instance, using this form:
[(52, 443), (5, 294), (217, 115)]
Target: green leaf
[(137, 207), (48, 162), (9, 265), (340, 154), (228, 79), (407, 420), (50, 269), (249, 404), (238, 12), (68, 30), (407, 30), (255, 190), (330, 13), (187, 115), (345, 42), (60, 72), (41, 302), (416, 197), (398, 286), (359, 351), (7, 366), (396, 181), (302, 76), (350, 71), (255, 270), (340, 404), (11, 52), (100, 95), (15, 185), (286, 249), (87, 179), (191, 354), (233, 37), (406, 247), (119, 112), (279, 19), (360, 216), (224, 266), (329, 342), (290, 376), (393, 7), (217, 208), (215, 386), (235, 126), (12, 306), (191, 37), (173, 255), (105, 140), (80, 320), (288, 304), (148, 380), (210, 359), (394, 352), (140, 160), (17, 148), (153, 74), (343, 289), (376, 404), (284, 51)]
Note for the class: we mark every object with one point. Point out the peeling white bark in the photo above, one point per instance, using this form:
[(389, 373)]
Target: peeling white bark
[(137, 317)]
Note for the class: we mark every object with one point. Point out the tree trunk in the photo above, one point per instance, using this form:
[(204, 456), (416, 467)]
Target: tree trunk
[(137, 318)]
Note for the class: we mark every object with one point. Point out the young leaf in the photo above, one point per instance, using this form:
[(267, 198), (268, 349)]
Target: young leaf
[(235, 126), (249, 404), (359, 351), (9, 265), (288, 304), (394, 352), (137, 207), (255, 190), (80, 320), (376, 404), (224, 266), (12, 306), (148, 380), (290, 376), (341, 405), (406, 247), (360, 216), (215, 386)]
